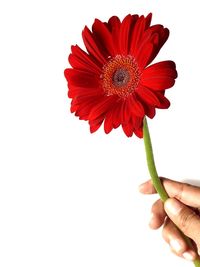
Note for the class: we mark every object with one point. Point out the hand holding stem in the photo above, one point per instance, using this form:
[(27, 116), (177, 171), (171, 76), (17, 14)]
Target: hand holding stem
[(173, 208)]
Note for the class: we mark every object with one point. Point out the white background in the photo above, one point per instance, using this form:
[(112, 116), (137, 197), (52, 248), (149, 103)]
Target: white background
[(69, 198)]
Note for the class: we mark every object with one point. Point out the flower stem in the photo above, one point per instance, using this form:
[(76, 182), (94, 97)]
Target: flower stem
[(151, 164), (156, 180)]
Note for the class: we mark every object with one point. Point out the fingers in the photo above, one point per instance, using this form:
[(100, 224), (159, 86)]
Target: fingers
[(147, 188), (177, 244), (185, 218), (188, 194), (158, 215)]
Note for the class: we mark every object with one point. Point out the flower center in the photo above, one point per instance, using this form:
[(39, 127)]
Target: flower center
[(120, 76)]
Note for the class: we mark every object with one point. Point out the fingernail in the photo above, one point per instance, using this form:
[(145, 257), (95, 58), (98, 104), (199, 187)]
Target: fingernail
[(190, 256), (175, 245), (173, 206), (152, 221), (141, 187), (144, 188)]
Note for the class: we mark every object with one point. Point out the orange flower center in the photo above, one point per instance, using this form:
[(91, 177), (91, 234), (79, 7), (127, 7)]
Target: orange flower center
[(120, 76)]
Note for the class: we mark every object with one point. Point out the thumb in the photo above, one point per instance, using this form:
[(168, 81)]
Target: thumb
[(185, 218)]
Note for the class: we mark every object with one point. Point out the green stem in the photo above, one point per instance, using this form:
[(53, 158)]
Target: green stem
[(156, 180), (196, 262), (151, 164)]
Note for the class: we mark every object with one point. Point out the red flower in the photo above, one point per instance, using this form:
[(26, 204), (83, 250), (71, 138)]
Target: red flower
[(111, 82)]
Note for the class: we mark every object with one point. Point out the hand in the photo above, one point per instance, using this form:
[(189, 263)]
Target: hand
[(180, 209)]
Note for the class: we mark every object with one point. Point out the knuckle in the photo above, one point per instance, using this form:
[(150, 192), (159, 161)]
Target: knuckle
[(155, 207), (186, 220), (180, 191), (175, 252), (158, 208), (164, 235), (165, 231), (198, 247), (197, 241)]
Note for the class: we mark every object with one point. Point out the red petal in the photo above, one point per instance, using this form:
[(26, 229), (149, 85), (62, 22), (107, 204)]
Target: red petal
[(147, 95), (82, 91), (108, 125), (135, 125), (126, 110), (138, 132), (102, 107), (158, 83), (164, 102), (125, 34), (136, 106), (95, 127), (159, 40), (157, 36), (81, 60), (128, 129), (114, 26), (129, 104), (116, 115), (84, 108), (137, 34), (151, 35), (81, 78), (91, 45), (104, 37), (144, 55), (137, 122), (150, 111), (86, 99), (148, 20), (95, 124), (163, 68)]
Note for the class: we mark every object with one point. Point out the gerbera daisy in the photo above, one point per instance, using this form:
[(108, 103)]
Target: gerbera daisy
[(112, 82)]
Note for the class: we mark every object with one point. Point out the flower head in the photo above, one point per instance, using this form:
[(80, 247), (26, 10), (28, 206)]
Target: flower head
[(112, 82)]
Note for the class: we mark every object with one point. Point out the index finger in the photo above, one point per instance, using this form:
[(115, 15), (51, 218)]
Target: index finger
[(186, 193)]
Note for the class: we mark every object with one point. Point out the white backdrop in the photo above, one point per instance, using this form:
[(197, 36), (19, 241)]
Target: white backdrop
[(69, 198)]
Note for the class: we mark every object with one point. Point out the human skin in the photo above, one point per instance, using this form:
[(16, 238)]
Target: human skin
[(181, 209)]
